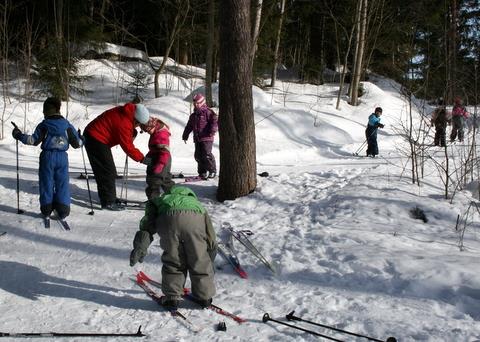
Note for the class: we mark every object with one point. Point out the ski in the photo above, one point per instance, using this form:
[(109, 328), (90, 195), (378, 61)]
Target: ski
[(229, 256), (191, 179), (189, 296), (158, 299), (57, 334), (135, 175), (64, 224), (216, 309), (3, 233), (46, 222), (242, 237)]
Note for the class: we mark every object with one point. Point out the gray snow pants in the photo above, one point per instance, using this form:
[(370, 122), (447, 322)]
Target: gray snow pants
[(183, 238)]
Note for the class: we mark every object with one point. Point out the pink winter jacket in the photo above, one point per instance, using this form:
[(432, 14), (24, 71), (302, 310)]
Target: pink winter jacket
[(158, 145), (459, 111)]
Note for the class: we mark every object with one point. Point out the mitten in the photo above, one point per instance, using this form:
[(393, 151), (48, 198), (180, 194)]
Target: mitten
[(141, 242), (82, 138), (381, 125), (16, 133), (147, 161)]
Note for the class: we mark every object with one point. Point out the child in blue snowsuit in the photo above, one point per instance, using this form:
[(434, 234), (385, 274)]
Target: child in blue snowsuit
[(371, 132), (55, 134)]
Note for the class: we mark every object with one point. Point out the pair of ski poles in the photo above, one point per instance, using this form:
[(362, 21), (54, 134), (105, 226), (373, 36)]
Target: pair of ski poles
[(292, 317), (363, 144), (19, 211)]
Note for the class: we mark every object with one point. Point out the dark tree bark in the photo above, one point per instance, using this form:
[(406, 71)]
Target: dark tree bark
[(209, 63), (236, 122)]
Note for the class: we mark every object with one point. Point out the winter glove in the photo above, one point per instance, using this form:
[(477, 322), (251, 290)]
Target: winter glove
[(147, 161), (141, 242), (381, 125), (135, 133), (82, 138), (16, 133)]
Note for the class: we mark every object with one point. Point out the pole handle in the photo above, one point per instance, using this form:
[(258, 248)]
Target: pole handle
[(291, 317), (14, 125)]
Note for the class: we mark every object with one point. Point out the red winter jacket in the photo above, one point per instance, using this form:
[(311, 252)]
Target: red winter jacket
[(115, 127)]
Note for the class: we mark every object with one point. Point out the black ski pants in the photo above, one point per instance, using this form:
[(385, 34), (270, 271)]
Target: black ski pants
[(103, 166)]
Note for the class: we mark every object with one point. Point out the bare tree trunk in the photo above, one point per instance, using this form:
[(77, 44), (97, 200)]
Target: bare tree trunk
[(4, 55), (347, 53), (209, 63), (360, 53), (357, 45), (256, 27), (178, 23), (453, 48), (236, 121), (277, 43)]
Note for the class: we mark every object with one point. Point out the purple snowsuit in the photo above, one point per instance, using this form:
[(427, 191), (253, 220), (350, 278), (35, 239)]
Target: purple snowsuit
[(204, 124)]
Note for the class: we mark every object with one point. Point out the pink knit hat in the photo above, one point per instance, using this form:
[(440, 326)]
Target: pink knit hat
[(199, 100)]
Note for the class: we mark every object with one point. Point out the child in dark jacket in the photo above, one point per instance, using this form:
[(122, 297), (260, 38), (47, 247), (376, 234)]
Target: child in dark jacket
[(204, 124), (440, 120), (371, 132), (55, 134), (158, 170)]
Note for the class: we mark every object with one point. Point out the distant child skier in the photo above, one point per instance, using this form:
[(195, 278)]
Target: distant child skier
[(188, 241), (204, 124), (55, 134), (459, 114), (158, 170), (371, 132), (440, 120)]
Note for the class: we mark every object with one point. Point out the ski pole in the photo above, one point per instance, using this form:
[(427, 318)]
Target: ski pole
[(266, 318), (19, 211), (88, 183), (360, 148), (292, 317), (56, 334), (124, 182)]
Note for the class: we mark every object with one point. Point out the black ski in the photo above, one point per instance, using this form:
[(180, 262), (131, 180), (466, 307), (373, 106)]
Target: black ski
[(64, 224), (3, 233), (57, 334), (92, 176)]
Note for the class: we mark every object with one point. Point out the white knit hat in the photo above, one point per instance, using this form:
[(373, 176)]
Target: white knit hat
[(141, 113)]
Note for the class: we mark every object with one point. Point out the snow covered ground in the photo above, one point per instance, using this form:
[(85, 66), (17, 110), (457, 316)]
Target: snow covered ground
[(337, 228)]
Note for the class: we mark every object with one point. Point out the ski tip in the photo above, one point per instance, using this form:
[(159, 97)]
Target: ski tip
[(143, 276), (242, 273)]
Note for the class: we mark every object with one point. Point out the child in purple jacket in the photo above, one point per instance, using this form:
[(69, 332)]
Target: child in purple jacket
[(204, 124)]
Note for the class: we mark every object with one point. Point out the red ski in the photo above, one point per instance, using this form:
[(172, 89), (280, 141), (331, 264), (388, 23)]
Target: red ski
[(187, 295)]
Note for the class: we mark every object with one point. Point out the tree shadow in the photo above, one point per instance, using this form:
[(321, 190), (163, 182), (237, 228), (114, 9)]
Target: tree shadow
[(31, 283)]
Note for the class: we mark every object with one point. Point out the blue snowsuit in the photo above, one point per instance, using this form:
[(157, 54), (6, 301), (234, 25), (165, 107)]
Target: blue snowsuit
[(371, 134), (56, 134)]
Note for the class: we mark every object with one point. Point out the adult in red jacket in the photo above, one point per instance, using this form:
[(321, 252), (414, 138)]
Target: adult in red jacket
[(113, 127)]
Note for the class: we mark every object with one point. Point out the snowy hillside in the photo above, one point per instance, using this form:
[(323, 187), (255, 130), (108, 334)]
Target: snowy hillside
[(336, 227)]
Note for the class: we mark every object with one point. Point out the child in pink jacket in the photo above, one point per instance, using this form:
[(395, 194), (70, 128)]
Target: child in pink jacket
[(160, 160)]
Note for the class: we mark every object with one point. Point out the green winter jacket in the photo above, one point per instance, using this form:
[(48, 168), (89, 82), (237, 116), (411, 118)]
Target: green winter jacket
[(178, 198)]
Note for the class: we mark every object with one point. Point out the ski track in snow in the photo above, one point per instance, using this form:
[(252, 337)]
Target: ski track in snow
[(336, 228)]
